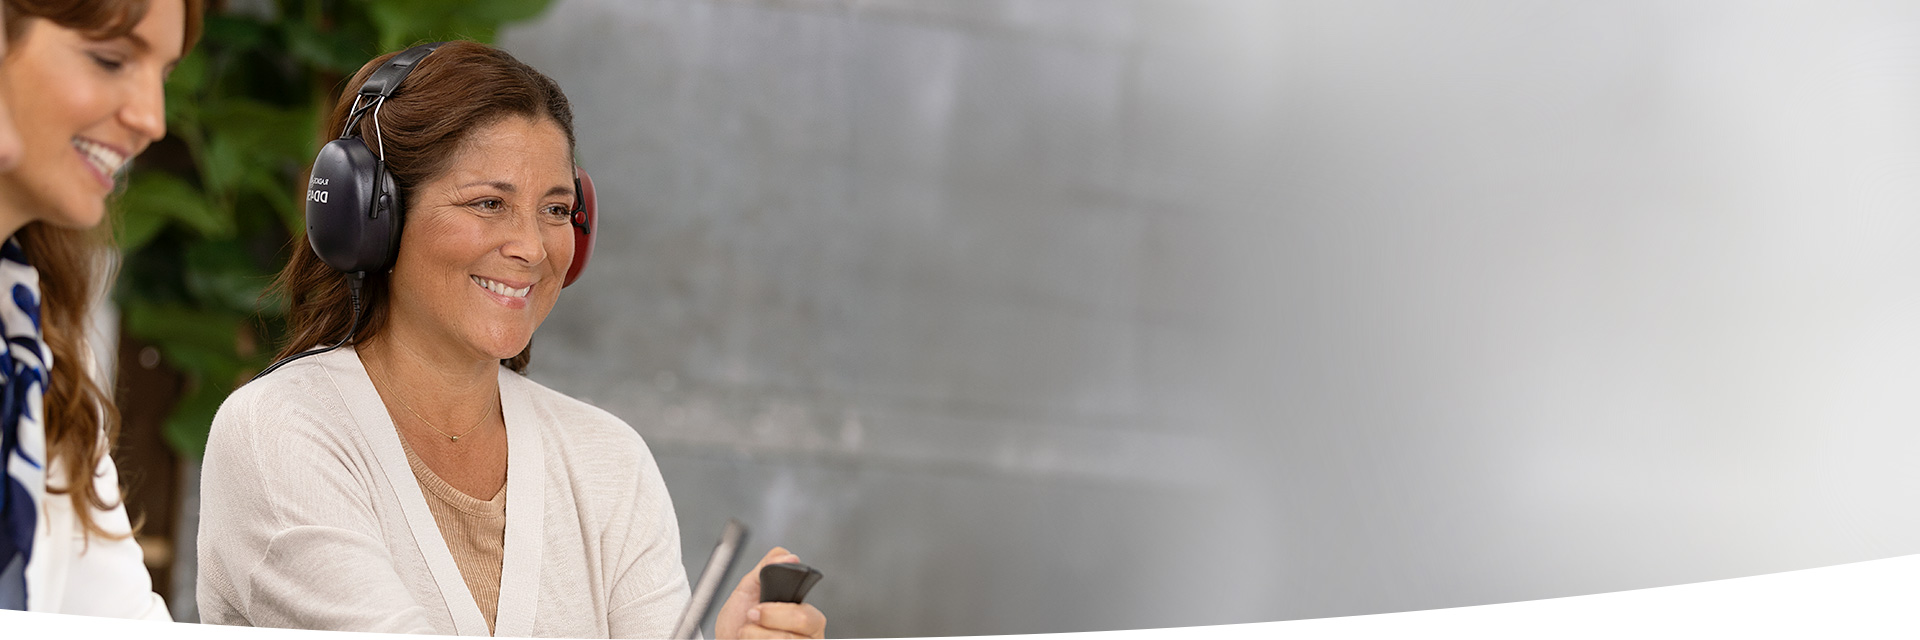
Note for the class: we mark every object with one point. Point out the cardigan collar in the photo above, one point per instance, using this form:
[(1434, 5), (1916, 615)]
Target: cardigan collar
[(526, 498)]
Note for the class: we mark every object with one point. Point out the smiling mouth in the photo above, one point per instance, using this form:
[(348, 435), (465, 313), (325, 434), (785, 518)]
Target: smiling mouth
[(105, 159), (501, 288)]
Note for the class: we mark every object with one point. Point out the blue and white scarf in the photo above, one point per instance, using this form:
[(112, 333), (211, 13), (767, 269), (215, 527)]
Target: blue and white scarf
[(23, 437)]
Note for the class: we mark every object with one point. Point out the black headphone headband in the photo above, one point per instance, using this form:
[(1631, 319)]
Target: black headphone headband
[(388, 77), (381, 84)]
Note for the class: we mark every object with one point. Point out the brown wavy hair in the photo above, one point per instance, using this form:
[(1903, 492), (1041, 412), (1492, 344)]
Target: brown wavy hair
[(81, 419), (460, 87)]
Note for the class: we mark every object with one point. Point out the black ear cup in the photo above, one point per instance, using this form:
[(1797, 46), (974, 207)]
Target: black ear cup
[(389, 219), (353, 211)]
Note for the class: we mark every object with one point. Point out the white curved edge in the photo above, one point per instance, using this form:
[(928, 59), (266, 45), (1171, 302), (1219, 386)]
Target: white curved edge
[(18, 624), (1873, 599)]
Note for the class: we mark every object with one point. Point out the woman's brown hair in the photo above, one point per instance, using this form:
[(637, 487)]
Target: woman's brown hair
[(462, 86), (97, 19), (81, 420)]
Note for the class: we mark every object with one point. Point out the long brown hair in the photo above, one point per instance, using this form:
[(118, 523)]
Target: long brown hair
[(461, 87), (81, 420)]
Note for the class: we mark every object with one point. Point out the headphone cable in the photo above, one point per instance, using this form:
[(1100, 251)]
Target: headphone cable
[(354, 280)]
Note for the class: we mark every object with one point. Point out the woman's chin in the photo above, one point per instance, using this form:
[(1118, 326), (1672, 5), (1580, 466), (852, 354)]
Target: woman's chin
[(70, 210), (507, 349), (79, 217), (505, 337)]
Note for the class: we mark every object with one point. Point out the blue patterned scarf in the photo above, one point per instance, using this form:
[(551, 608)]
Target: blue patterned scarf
[(23, 438)]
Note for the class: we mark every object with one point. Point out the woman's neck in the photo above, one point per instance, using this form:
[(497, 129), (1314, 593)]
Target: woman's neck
[(17, 206), (447, 391), (445, 402), (12, 218)]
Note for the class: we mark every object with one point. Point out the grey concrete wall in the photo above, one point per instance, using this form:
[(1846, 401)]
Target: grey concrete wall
[(1030, 316), (875, 280)]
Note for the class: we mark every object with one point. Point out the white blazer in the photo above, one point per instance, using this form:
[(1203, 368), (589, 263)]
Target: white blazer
[(72, 573)]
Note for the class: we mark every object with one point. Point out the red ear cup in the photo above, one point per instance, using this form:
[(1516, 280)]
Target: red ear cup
[(586, 221)]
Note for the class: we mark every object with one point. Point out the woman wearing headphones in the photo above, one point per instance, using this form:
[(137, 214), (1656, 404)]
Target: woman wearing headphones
[(83, 82), (414, 479)]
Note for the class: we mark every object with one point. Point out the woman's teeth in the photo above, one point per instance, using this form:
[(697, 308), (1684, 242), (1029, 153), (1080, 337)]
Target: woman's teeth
[(501, 288), (100, 156)]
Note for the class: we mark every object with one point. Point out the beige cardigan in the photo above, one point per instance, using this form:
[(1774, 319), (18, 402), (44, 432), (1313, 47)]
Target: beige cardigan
[(310, 517)]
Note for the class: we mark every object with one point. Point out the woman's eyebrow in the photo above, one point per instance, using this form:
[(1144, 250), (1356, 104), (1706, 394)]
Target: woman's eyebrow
[(140, 44)]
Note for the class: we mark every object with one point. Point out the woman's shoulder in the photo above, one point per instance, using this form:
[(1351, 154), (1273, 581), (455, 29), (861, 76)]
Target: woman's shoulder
[(297, 383), (586, 427), (607, 465), (301, 393)]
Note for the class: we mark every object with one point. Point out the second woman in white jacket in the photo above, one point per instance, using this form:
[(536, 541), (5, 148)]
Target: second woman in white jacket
[(83, 81)]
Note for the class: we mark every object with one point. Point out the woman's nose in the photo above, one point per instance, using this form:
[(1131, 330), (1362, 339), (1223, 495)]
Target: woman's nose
[(523, 241), (9, 140), (146, 110)]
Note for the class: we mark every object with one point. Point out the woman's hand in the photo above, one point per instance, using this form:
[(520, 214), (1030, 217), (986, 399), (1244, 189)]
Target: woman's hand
[(745, 616)]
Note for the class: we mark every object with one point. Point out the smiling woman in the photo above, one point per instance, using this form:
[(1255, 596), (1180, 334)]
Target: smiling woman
[(83, 83), (412, 480)]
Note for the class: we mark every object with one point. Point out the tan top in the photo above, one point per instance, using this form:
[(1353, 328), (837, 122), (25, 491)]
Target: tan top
[(475, 531)]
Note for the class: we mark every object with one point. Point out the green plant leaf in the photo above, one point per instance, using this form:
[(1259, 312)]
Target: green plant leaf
[(231, 31), (341, 51), (176, 326), (192, 419), (280, 194), (404, 22), (251, 147), (183, 86), (222, 273), (153, 199), (137, 224), (222, 161), (261, 129)]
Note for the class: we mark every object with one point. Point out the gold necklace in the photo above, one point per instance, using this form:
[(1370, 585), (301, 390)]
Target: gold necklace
[(423, 419)]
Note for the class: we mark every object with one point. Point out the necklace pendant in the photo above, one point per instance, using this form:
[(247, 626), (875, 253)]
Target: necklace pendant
[(455, 438)]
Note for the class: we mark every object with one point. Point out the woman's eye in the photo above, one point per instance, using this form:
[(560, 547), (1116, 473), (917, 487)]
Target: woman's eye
[(489, 204), (559, 211), (107, 62)]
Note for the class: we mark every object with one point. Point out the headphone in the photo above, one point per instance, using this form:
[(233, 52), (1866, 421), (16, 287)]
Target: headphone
[(354, 210), (361, 232)]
